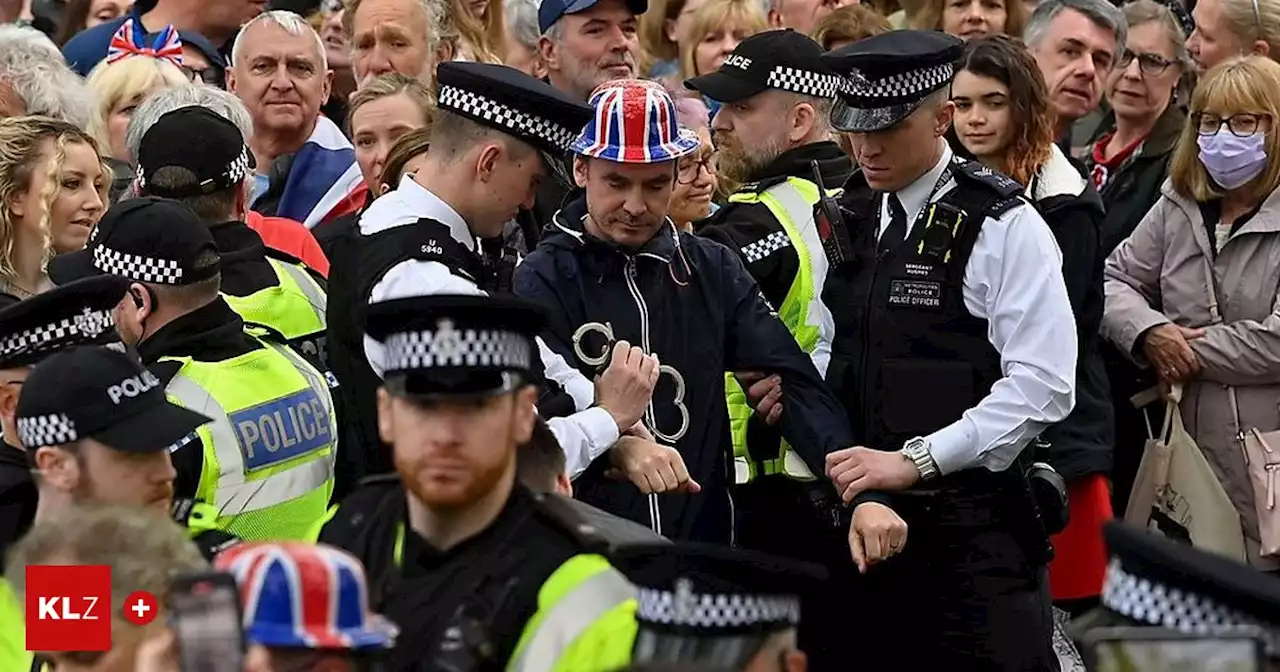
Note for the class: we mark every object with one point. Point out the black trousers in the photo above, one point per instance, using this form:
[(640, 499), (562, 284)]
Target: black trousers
[(777, 515), (968, 592)]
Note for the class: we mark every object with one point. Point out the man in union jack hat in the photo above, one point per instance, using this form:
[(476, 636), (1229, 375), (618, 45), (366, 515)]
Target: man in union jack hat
[(306, 607), (613, 267)]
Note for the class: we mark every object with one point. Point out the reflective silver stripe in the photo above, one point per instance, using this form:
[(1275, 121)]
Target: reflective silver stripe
[(233, 495), (571, 616), (314, 295)]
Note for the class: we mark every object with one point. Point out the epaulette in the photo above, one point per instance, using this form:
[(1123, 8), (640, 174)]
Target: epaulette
[(761, 185), (593, 529), (280, 255), (1002, 184), (262, 331)]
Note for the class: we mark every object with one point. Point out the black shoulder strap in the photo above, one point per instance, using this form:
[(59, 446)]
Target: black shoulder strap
[(979, 193), (561, 512)]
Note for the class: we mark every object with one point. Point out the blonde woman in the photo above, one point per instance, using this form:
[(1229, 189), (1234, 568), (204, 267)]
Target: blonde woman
[(969, 19), (481, 30), (52, 185), (1226, 29), (661, 29), (119, 88), (1192, 292), (715, 30)]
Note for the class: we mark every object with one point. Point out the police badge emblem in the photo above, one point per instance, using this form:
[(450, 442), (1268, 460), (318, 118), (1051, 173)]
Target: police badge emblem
[(447, 341), (91, 323)]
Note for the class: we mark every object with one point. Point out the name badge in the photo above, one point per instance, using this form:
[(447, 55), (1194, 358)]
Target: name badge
[(282, 429), (915, 293)]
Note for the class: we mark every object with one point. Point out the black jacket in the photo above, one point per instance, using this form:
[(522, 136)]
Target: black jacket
[(17, 496), (689, 301), (1081, 444), (1135, 186)]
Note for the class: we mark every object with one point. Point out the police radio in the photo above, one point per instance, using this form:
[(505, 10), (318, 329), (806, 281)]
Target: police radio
[(831, 226)]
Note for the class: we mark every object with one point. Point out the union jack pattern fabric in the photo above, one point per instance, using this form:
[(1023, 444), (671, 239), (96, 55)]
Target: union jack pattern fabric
[(634, 122), (299, 595), (129, 40)]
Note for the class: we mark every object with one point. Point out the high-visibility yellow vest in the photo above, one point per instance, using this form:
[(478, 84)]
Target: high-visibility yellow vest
[(792, 204), (13, 632), (269, 452), (294, 307)]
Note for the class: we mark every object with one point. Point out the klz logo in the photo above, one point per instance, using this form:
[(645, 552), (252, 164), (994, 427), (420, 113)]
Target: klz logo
[(68, 608)]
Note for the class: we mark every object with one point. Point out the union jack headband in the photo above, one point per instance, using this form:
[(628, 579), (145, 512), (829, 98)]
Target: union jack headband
[(130, 40)]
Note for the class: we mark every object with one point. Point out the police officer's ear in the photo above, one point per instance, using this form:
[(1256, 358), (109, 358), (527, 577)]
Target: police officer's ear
[(58, 466), (944, 112), (795, 660), (801, 121), (487, 163), (386, 432), (525, 413), (580, 171)]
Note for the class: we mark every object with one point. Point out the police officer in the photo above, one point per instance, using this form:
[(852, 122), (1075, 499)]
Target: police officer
[(458, 552), (265, 286), (64, 317), (955, 346), (263, 469), (1159, 587), (771, 131), (492, 126), (98, 430), (700, 604)]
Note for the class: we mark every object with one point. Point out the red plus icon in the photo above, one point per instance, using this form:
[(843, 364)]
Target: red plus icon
[(140, 607)]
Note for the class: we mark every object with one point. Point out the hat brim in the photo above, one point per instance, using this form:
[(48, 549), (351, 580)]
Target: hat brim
[(377, 633), (72, 266), (150, 431), (637, 7), (870, 119), (436, 386), (686, 143), (723, 87)]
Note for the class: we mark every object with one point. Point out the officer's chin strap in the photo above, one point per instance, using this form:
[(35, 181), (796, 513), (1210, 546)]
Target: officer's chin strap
[(558, 169)]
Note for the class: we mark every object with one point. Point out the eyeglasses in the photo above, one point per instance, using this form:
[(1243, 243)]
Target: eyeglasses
[(690, 168), (1150, 64), (212, 75), (1240, 125)]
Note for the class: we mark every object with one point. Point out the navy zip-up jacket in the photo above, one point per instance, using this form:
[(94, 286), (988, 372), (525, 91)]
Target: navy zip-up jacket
[(691, 302)]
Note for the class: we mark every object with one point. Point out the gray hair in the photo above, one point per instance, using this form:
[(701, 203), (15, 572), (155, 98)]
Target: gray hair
[(288, 22), (1101, 12), (555, 32), (162, 102), (439, 22), (522, 21), (34, 67)]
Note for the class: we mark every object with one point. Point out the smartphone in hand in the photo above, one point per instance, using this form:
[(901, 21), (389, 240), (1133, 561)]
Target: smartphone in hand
[(204, 614)]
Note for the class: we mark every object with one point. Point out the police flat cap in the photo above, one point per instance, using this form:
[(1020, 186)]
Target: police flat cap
[(886, 77), (1159, 582), (705, 590), (103, 394), (775, 59), (151, 240), (79, 313), (448, 345), (512, 102)]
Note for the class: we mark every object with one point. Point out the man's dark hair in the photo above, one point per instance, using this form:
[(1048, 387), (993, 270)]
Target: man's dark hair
[(540, 461), (214, 208), (453, 134)]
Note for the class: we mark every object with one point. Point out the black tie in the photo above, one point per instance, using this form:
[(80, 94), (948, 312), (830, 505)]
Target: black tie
[(896, 232)]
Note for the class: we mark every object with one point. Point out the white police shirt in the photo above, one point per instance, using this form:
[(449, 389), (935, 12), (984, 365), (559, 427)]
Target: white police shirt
[(1013, 281), (583, 436)]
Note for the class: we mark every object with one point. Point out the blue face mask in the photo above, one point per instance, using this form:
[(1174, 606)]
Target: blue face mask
[(1232, 161)]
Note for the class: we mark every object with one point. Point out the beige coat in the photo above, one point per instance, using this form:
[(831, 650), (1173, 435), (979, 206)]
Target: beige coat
[(1160, 274)]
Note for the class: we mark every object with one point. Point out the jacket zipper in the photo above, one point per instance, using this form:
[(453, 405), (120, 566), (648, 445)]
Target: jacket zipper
[(655, 512)]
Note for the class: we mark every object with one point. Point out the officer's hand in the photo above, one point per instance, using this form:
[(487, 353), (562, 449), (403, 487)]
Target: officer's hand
[(639, 431), (856, 469), (652, 467), (764, 393), (876, 534), (624, 389)]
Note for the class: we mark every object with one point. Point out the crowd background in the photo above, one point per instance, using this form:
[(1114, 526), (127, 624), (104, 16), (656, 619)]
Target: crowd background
[(1105, 114)]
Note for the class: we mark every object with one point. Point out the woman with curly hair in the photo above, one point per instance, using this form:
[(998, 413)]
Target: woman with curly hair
[(1004, 120), (52, 189)]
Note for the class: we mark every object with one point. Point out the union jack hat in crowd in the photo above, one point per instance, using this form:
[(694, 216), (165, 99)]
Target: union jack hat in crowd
[(303, 596), (634, 122)]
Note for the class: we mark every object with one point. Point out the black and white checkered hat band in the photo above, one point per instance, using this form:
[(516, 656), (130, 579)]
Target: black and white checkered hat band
[(46, 430), (78, 329), (695, 610), (233, 175), (897, 88), (804, 82), (448, 347), (1156, 604), (517, 122), (136, 267)]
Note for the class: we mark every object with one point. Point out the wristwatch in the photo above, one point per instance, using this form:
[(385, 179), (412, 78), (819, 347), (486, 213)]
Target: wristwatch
[(917, 450)]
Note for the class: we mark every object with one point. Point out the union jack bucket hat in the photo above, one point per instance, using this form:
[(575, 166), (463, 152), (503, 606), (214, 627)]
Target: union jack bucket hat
[(303, 596), (634, 122)]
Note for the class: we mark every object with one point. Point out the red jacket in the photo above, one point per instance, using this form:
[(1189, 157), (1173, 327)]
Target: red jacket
[(290, 237)]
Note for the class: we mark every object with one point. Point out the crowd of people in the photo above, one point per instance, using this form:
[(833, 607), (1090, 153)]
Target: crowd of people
[(595, 335)]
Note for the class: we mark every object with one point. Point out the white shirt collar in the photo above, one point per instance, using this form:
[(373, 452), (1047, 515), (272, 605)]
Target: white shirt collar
[(409, 203), (914, 195)]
